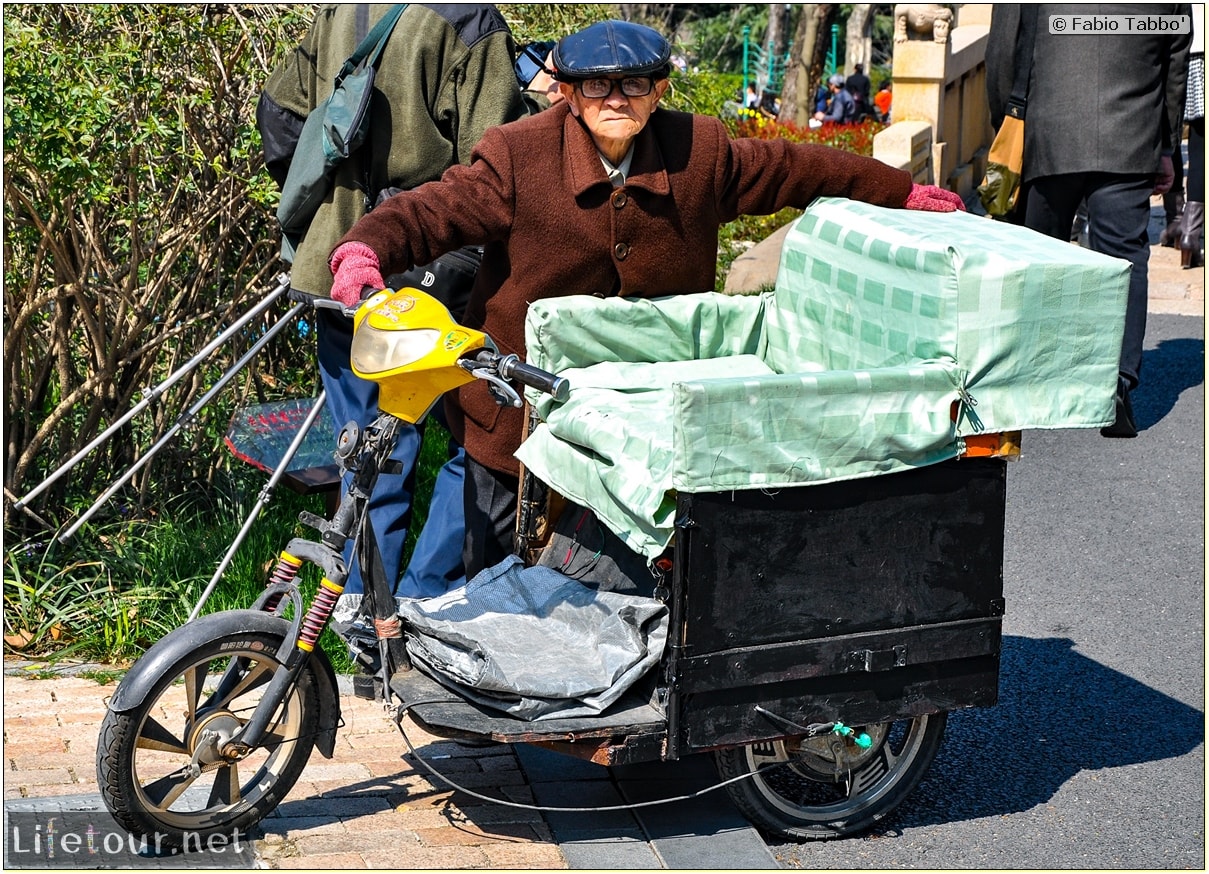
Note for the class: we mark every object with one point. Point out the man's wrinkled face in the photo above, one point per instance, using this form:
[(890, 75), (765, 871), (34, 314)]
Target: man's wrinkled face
[(615, 117)]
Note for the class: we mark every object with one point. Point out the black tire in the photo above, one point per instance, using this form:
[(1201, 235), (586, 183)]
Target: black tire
[(142, 751), (804, 793)]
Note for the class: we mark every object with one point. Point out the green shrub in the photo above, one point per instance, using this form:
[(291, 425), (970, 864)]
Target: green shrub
[(138, 223)]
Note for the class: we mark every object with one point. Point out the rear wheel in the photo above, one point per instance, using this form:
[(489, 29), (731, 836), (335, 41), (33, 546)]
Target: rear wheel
[(164, 768), (827, 786)]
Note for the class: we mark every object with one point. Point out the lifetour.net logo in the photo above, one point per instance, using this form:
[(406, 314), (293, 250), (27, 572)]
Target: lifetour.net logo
[(79, 839)]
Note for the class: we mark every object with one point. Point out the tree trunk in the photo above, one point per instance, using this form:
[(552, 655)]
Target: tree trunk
[(776, 38), (858, 39), (806, 66)]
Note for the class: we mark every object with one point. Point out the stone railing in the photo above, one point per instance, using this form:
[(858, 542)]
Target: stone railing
[(942, 127)]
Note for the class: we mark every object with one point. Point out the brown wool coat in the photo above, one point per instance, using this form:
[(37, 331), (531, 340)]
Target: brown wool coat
[(536, 193)]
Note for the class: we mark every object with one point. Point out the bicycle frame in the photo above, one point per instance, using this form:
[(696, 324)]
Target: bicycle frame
[(407, 342)]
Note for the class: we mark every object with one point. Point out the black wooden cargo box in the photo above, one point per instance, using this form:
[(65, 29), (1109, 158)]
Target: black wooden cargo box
[(860, 601)]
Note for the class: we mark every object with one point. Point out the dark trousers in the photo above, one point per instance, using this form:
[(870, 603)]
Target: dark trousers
[(491, 499), (1118, 208), (1196, 160)]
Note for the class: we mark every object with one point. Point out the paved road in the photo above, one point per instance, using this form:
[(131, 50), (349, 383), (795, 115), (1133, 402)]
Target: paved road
[(1095, 756)]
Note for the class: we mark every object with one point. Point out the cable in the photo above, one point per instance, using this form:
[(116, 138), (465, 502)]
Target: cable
[(401, 711)]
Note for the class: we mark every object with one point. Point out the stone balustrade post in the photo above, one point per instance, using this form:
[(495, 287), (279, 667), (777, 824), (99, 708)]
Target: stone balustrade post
[(939, 96)]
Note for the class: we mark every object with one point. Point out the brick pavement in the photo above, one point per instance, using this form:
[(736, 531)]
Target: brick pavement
[(367, 807)]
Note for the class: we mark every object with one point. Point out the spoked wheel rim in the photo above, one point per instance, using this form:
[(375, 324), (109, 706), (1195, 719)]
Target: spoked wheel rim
[(819, 788), (185, 773), (831, 779)]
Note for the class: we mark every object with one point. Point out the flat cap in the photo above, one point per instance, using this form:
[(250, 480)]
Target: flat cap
[(612, 47)]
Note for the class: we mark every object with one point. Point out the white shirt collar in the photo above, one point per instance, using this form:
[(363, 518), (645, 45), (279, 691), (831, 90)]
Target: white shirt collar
[(617, 175)]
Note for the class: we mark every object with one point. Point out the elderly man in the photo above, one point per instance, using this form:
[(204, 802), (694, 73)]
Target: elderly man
[(605, 194)]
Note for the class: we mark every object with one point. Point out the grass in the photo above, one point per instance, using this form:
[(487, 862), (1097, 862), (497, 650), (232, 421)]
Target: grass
[(119, 586)]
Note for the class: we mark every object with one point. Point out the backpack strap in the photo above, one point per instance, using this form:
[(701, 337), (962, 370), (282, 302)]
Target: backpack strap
[(371, 47), (361, 21)]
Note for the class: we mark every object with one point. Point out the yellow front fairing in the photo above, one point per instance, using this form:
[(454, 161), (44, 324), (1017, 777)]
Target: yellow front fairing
[(408, 344)]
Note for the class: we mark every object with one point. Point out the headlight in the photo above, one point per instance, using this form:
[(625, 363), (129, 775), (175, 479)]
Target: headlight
[(376, 351)]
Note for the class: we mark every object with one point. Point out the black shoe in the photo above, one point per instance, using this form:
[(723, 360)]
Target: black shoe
[(1124, 426), (367, 686)]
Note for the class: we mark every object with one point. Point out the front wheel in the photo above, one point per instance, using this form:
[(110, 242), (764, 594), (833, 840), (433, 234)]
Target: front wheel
[(827, 786), (161, 765)]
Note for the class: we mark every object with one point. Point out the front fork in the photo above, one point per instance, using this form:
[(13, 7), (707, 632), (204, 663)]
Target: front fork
[(364, 453), (303, 636)]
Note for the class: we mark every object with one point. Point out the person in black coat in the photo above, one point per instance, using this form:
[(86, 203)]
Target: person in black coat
[(1101, 125), (858, 86)]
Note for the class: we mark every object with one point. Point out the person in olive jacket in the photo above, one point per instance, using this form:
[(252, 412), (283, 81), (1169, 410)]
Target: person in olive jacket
[(604, 194), (445, 75)]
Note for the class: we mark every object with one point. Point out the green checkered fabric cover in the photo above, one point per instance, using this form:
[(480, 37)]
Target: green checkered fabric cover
[(1034, 323), (882, 324)]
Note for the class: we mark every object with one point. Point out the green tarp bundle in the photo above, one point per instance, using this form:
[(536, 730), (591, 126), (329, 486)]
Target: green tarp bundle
[(883, 324)]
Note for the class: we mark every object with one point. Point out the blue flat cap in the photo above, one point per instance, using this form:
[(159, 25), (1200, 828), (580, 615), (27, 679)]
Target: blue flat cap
[(610, 47)]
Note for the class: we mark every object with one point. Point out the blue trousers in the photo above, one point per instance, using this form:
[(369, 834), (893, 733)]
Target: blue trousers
[(436, 563)]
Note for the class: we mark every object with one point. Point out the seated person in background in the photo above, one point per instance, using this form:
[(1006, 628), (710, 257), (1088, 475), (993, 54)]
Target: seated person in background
[(842, 108), (882, 101)]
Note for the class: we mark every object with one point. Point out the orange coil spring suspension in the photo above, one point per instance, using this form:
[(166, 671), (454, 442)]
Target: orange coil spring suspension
[(316, 617), (284, 572)]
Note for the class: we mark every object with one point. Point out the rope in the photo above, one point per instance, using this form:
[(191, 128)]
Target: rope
[(401, 711)]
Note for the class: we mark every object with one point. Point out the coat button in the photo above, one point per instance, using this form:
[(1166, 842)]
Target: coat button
[(619, 199), (621, 250)]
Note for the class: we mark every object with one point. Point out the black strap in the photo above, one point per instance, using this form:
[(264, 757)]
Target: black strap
[(1022, 60), (371, 47), (362, 21)]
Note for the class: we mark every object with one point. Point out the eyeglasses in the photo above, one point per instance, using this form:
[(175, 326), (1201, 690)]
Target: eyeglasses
[(631, 86)]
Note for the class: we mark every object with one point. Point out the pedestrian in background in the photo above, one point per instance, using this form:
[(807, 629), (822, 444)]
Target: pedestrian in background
[(1192, 221), (858, 86), (1103, 115)]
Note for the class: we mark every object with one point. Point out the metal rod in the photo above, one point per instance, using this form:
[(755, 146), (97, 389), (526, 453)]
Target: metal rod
[(185, 418), (150, 394), (262, 499)]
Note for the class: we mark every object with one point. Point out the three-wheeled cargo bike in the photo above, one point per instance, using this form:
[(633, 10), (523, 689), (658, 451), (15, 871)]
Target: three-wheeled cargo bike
[(817, 636)]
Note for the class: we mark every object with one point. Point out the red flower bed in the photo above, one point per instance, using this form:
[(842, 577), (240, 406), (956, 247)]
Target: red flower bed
[(857, 138)]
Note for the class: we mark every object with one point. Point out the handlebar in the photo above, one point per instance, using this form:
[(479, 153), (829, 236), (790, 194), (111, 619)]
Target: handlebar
[(319, 302), (485, 363)]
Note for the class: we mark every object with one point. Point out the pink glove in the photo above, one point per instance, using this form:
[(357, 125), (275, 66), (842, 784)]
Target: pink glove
[(354, 266), (930, 198)]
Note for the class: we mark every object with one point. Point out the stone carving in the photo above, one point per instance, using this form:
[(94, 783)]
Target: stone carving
[(922, 19)]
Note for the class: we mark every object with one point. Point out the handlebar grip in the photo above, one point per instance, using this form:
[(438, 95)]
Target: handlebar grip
[(318, 301), (511, 367)]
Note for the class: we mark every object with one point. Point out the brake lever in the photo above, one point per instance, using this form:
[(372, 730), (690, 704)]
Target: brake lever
[(504, 394)]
